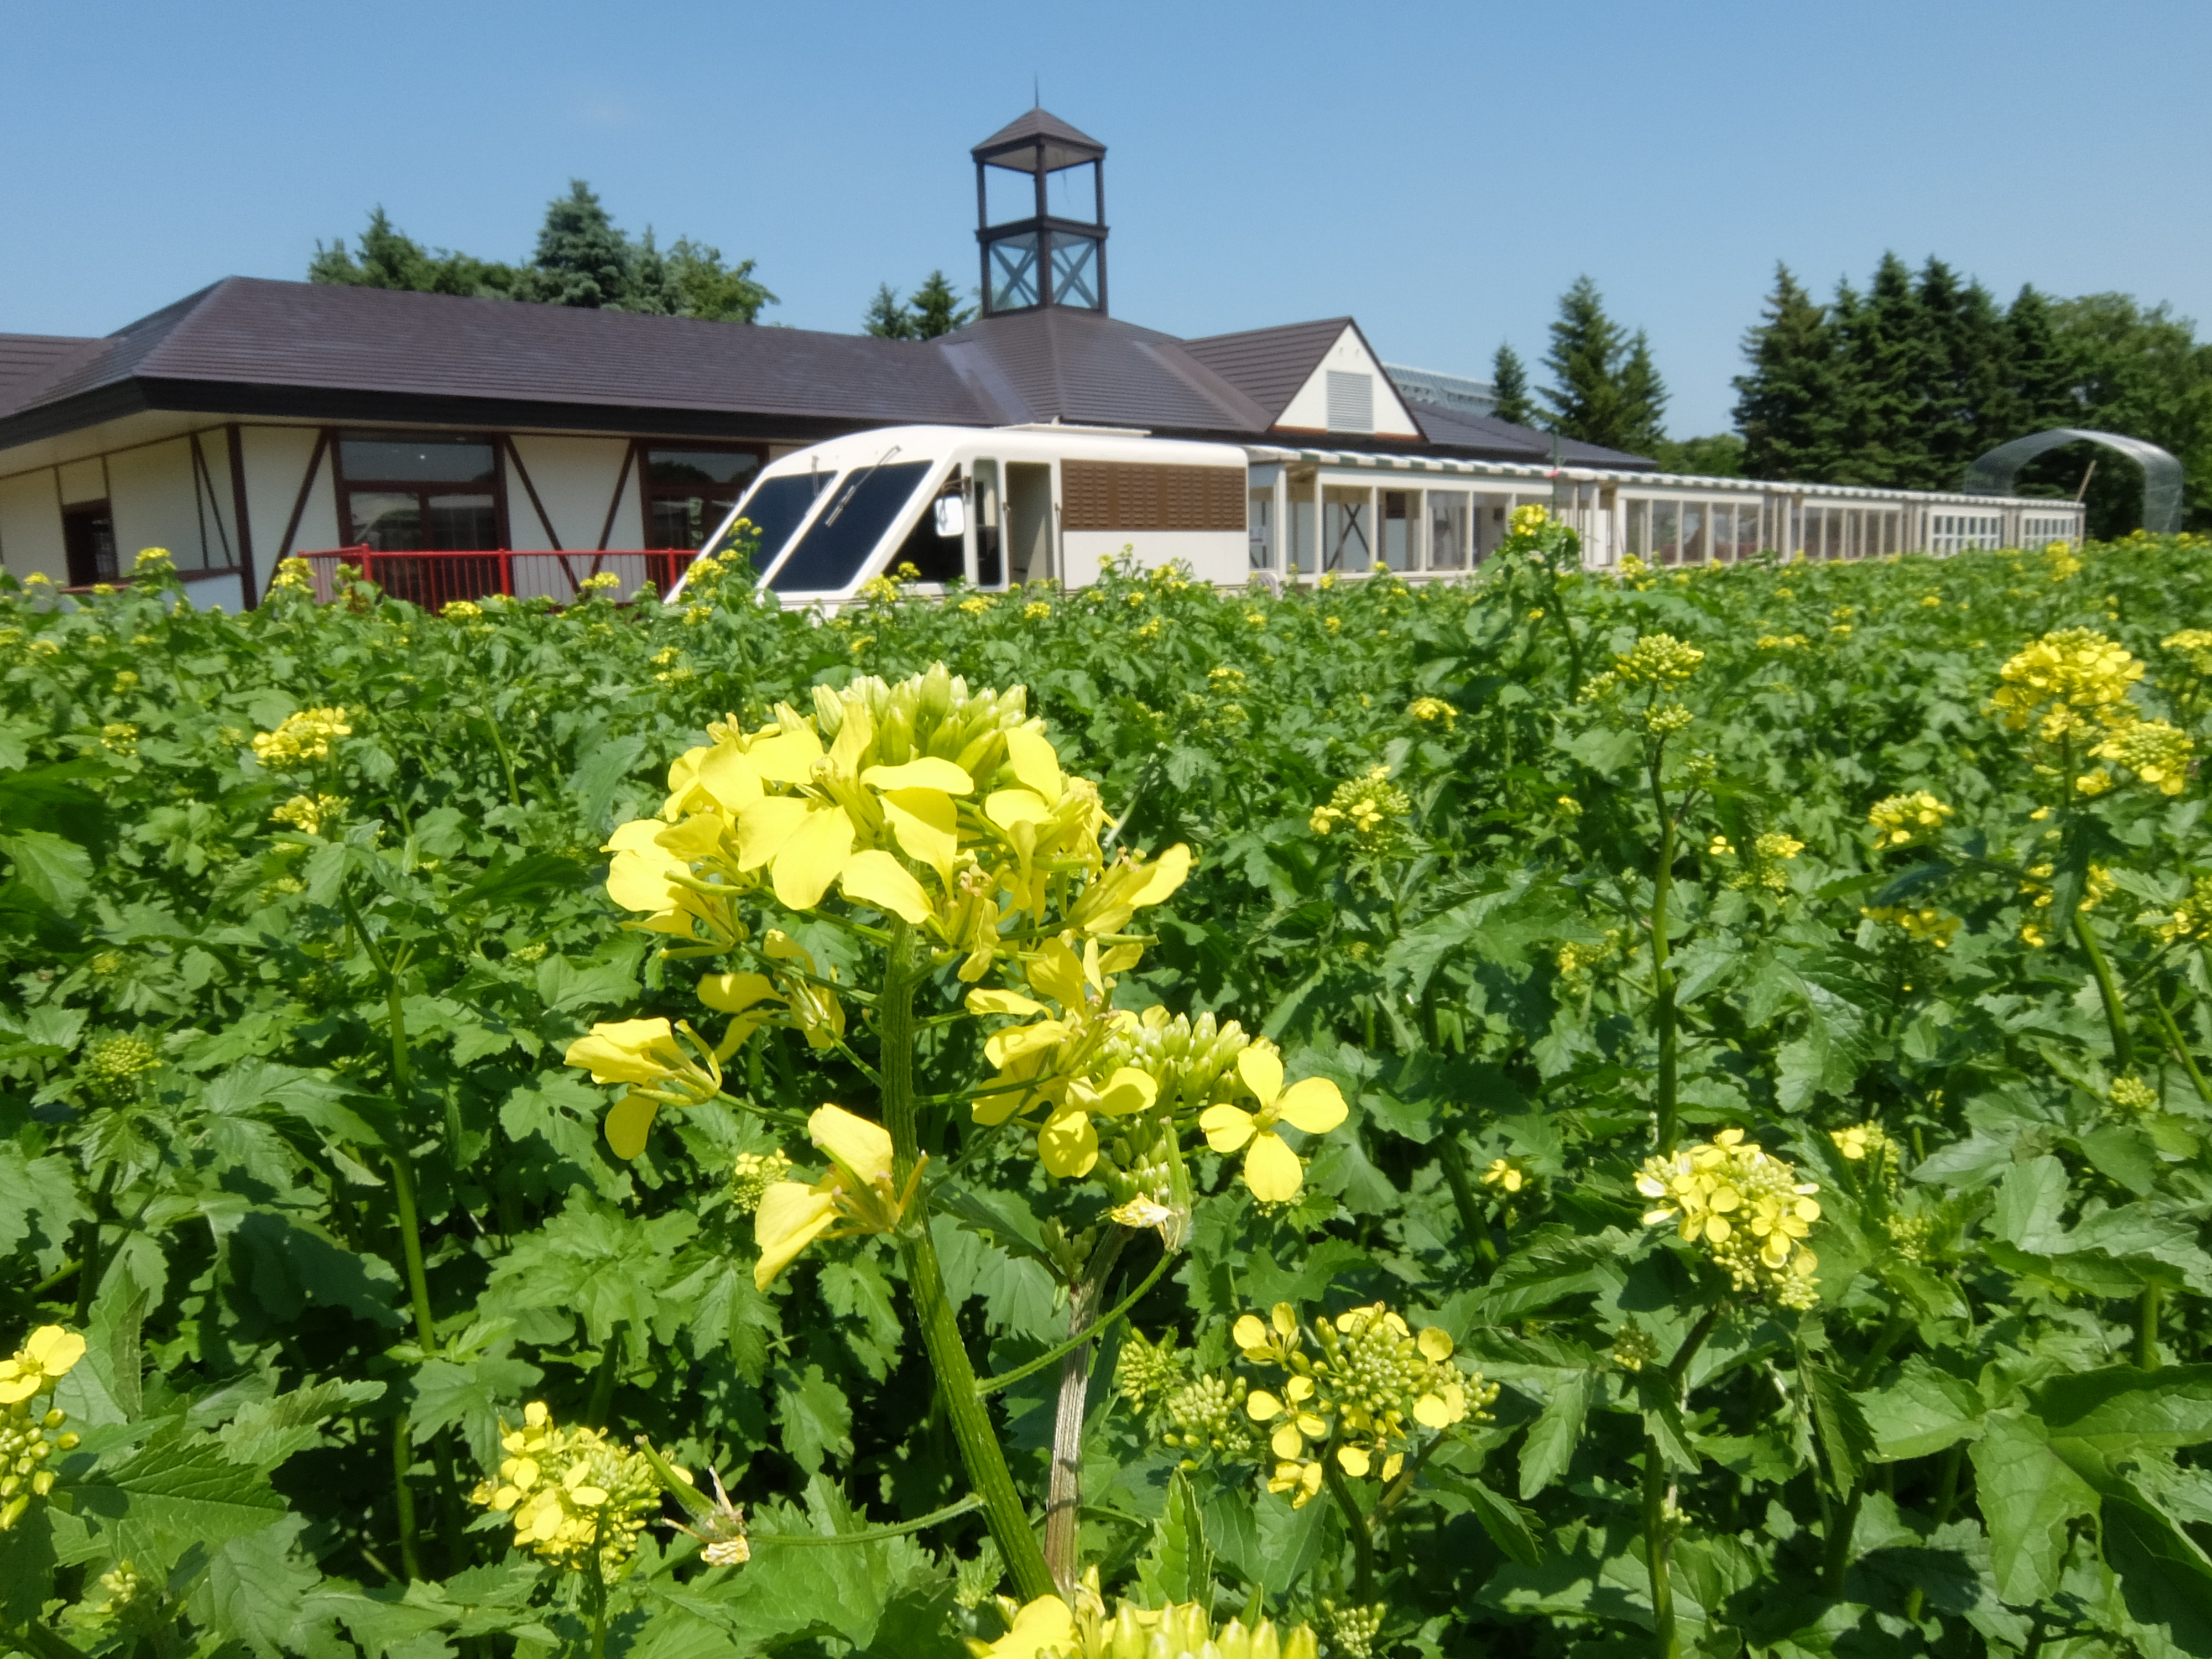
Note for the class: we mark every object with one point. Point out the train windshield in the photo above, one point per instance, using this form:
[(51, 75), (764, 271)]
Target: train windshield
[(868, 502), (774, 509)]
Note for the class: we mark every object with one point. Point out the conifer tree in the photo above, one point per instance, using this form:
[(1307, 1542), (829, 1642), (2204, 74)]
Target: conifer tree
[(1786, 405), (936, 307), (1509, 378), (1642, 400), (1585, 400), (581, 258), (887, 318), (389, 258), (1887, 355)]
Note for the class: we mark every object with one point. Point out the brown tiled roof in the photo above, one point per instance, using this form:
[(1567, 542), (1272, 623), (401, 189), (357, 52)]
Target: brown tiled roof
[(27, 359), (1063, 143), (1489, 439), (1268, 365), (1055, 363)]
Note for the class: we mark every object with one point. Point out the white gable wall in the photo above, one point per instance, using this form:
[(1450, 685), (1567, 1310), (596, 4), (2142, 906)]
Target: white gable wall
[(1308, 411)]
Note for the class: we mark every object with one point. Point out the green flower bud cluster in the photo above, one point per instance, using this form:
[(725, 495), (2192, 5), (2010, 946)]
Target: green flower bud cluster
[(752, 1175), (1193, 1061), (1353, 1630), (1183, 1631), (116, 1065), (2132, 1096), (1147, 1371), (1633, 1347), (27, 1440), (1206, 1415), (931, 714)]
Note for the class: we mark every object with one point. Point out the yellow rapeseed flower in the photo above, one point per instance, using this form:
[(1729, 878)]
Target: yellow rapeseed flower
[(1272, 1169), (855, 1197)]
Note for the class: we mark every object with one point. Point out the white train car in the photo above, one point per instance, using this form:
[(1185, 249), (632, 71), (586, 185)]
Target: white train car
[(999, 506)]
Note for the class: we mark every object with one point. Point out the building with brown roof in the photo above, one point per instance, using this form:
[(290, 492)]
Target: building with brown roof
[(257, 418)]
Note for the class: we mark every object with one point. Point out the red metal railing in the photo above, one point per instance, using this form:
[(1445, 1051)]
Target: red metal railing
[(436, 580)]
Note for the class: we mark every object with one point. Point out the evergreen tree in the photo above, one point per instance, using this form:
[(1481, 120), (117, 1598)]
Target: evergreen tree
[(1720, 456), (936, 307), (581, 258), (1786, 406), (1642, 400), (1967, 399), (1586, 399), (1509, 378), (2045, 390), (1887, 355), (701, 285), (389, 258)]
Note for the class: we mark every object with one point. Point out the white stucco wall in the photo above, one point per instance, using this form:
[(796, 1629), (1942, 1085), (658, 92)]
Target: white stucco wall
[(575, 478), (275, 460), (31, 526), (150, 493), (1308, 410)]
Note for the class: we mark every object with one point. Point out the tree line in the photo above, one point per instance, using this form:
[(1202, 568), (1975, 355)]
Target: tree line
[(1900, 384), (583, 259)]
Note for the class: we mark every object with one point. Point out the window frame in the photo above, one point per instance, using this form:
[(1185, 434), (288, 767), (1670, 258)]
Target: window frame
[(641, 460), (343, 487)]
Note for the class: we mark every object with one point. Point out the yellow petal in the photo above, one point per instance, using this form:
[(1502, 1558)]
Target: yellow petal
[(1260, 1405), (54, 1349), (940, 776), (766, 826), (1272, 1169), (1436, 1345), (1430, 1412), (863, 1147), (1353, 1459), (732, 993), (1127, 1091), (1067, 1144), (1002, 1002), (1262, 1072), (881, 882), (791, 1217), (1017, 1041), (1286, 1442), (813, 858), (1008, 807), (854, 733), (731, 777), (1227, 1127), (1313, 1104), (1284, 1318), (628, 1123), (1250, 1333), (623, 1050), (20, 1387), (786, 757), (1169, 872), (1035, 762), (1058, 972), (926, 825), (1045, 1624)]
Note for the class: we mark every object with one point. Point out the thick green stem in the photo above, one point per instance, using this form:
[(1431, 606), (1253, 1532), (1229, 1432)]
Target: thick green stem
[(1843, 1523), (1657, 1488), (2146, 1328), (986, 1459), (2116, 1014), (1663, 976), (403, 1494), (1356, 1527), (1472, 1221), (2180, 1049), (1063, 1505), (87, 1287)]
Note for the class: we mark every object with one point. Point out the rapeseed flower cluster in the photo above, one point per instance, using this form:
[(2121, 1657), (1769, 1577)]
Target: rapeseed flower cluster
[(2191, 919), (1900, 820), (1745, 1208), (303, 737), (571, 1492), (1372, 805), (2157, 752), (751, 1174), (28, 1435), (119, 737), (1922, 923), (1432, 711), (293, 576), (2097, 886), (310, 813), (1769, 852), (1053, 1628), (2194, 643), (2065, 683), (116, 1067), (1656, 667), (1359, 1396), (2133, 1096)]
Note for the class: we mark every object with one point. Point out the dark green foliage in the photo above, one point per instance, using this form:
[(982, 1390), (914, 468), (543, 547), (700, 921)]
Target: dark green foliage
[(1718, 456), (1606, 389), (582, 258), (1510, 377), (934, 309)]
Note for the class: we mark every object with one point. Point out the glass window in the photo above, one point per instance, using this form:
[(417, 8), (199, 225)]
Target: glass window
[(1074, 271), (1347, 529), (1448, 528), (838, 542), (1260, 529), (1009, 193), (687, 492), (1693, 534), (1303, 537), (1073, 193), (411, 493), (1666, 533), (1401, 529), (1835, 532), (773, 511), (990, 567), (1639, 529), (935, 558), (1013, 271), (88, 543)]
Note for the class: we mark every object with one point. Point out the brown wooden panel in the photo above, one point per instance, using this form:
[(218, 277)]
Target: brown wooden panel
[(1140, 495)]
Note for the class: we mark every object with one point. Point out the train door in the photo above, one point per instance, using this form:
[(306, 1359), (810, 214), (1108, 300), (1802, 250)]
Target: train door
[(1029, 521)]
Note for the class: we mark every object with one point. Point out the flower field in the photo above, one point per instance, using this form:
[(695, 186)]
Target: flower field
[(1663, 1113)]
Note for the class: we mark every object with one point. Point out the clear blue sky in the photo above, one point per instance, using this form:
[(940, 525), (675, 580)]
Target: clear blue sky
[(1440, 172)]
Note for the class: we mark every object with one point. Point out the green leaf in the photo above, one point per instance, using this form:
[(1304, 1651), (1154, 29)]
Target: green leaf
[(1552, 1438), (256, 1591), (1178, 1566), (471, 1395), (1922, 1412), (816, 1417), (1506, 1522), (2030, 1204), (50, 870), (179, 1490), (2165, 1578), (1846, 1442), (2118, 1409), (1663, 1420), (267, 1431), (2028, 1495)]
